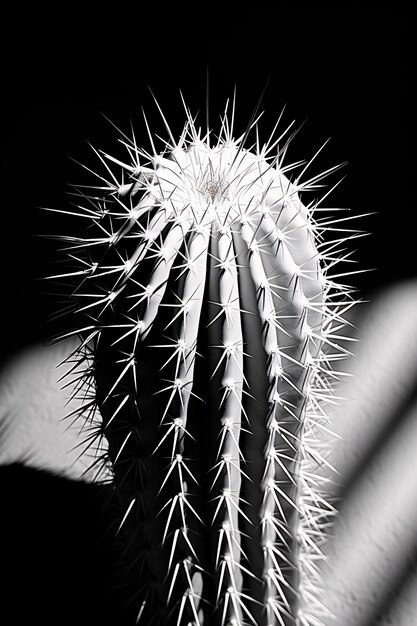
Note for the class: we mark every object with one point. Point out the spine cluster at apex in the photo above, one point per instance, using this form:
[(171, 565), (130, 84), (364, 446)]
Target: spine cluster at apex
[(212, 317)]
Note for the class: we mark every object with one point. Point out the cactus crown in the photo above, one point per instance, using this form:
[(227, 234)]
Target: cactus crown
[(205, 369)]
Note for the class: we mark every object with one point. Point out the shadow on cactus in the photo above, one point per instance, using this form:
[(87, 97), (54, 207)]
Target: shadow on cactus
[(211, 324)]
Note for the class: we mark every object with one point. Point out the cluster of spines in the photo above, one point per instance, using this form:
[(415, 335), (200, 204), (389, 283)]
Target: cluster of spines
[(200, 260)]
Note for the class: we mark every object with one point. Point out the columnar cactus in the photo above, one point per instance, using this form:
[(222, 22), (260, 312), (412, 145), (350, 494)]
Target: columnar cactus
[(205, 359)]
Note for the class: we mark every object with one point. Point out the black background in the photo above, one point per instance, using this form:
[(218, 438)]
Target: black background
[(342, 69)]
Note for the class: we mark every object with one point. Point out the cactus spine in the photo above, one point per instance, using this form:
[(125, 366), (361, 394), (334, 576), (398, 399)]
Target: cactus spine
[(206, 365)]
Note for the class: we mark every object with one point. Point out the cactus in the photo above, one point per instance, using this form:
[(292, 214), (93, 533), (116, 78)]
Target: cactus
[(205, 365)]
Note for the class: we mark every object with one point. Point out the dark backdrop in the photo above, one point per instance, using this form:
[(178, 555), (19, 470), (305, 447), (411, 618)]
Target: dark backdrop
[(344, 70)]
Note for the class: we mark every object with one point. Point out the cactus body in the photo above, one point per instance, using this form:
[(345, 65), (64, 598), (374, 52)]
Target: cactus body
[(205, 356)]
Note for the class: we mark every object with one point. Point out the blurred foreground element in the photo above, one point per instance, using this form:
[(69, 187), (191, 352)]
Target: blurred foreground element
[(34, 429), (371, 574)]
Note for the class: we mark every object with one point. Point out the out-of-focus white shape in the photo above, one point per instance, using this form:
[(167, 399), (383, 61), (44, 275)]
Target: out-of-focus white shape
[(384, 372), (375, 534), (32, 410), (403, 611)]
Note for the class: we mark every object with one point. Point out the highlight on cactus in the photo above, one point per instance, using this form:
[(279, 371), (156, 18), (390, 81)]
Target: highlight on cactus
[(212, 321)]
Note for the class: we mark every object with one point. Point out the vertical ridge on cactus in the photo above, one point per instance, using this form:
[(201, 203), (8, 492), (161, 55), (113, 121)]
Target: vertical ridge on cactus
[(205, 364)]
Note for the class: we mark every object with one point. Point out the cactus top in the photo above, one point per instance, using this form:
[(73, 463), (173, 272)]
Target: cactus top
[(226, 183)]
